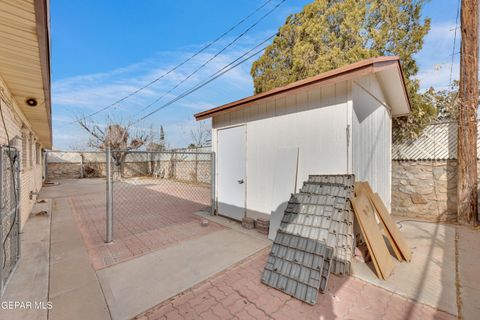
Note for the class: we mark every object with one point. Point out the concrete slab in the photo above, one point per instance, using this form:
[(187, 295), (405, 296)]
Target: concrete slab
[(430, 277), (134, 286), (29, 282), (468, 272), (75, 292)]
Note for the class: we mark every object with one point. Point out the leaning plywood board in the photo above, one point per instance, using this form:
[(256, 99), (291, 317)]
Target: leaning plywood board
[(389, 224), (365, 214), (363, 187), (393, 245)]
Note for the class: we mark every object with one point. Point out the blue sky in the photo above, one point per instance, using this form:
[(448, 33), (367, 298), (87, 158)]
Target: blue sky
[(103, 50)]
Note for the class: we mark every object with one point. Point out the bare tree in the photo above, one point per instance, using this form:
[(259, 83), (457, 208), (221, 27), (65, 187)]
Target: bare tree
[(200, 135), (118, 136)]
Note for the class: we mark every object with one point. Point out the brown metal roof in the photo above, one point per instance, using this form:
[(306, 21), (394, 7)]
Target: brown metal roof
[(347, 72)]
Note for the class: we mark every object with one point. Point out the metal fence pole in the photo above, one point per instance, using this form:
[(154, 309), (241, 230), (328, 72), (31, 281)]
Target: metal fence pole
[(81, 166), (109, 228), (46, 165), (213, 203), (16, 172)]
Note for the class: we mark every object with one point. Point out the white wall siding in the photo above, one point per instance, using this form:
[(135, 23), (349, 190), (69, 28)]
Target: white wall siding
[(312, 120), (371, 137)]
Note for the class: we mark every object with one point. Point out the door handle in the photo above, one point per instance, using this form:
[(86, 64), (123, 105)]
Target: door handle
[(240, 181)]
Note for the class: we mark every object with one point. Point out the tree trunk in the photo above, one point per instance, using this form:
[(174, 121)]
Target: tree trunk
[(467, 116)]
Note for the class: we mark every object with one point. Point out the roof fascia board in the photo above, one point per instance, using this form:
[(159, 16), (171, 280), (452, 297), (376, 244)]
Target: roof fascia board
[(43, 34), (344, 73), (324, 81)]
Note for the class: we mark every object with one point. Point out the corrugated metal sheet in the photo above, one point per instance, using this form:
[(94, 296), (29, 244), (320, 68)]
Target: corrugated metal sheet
[(316, 229), (298, 266), (438, 141)]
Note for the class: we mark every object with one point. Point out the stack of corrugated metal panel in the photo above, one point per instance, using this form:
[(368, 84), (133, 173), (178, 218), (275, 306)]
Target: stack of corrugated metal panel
[(322, 213), (298, 266)]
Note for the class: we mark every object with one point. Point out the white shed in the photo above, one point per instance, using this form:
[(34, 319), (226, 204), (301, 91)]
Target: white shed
[(338, 122)]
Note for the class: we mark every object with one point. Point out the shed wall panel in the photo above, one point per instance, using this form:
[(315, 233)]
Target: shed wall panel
[(371, 137), (312, 120)]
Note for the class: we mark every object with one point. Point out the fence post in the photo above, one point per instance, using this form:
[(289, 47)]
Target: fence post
[(18, 190), (213, 203), (81, 166), (109, 220), (46, 165)]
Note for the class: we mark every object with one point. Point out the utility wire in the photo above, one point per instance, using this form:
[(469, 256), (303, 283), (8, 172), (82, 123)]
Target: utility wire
[(454, 43), (214, 56), (198, 86), (222, 69), (178, 65)]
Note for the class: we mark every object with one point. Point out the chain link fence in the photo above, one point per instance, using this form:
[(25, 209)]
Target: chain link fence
[(9, 213), (144, 190), (150, 189)]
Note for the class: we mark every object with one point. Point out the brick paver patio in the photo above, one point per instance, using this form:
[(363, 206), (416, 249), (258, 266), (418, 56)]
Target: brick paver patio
[(237, 293), (149, 214)]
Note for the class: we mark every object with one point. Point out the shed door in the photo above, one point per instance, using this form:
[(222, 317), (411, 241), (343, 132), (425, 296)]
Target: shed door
[(231, 177)]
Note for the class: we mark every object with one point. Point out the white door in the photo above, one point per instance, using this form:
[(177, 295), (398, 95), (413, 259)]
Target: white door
[(231, 178)]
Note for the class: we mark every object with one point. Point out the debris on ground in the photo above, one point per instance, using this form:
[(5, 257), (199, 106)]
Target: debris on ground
[(368, 209), (316, 236), (298, 266), (42, 201), (204, 223), (318, 222), (41, 213), (248, 223), (262, 225)]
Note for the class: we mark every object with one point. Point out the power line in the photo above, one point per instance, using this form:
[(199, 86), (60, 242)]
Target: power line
[(454, 43), (214, 56), (202, 84), (178, 65), (220, 70)]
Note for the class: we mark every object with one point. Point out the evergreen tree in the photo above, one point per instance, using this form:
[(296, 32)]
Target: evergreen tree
[(328, 34)]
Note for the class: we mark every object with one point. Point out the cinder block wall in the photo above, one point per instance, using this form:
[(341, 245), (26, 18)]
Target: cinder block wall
[(425, 189), (26, 141), (186, 170)]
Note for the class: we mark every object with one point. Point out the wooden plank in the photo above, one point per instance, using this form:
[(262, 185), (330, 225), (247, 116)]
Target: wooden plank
[(393, 245), (365, 214), (389, 224), (374, 260), (362, 187)]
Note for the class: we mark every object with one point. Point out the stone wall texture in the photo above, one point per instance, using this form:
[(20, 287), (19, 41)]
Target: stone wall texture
[(425, 189)]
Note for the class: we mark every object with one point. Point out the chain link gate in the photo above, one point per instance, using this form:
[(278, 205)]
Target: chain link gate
[(153, 189), (9, 213)]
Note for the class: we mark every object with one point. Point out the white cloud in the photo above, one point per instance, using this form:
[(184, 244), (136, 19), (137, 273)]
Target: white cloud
[(438, 76), (435, 58)]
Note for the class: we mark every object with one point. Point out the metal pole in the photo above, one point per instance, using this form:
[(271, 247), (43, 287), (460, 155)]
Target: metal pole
[(18, 190), (213, 203), (46, 165), (109, 236), (81, 166)]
